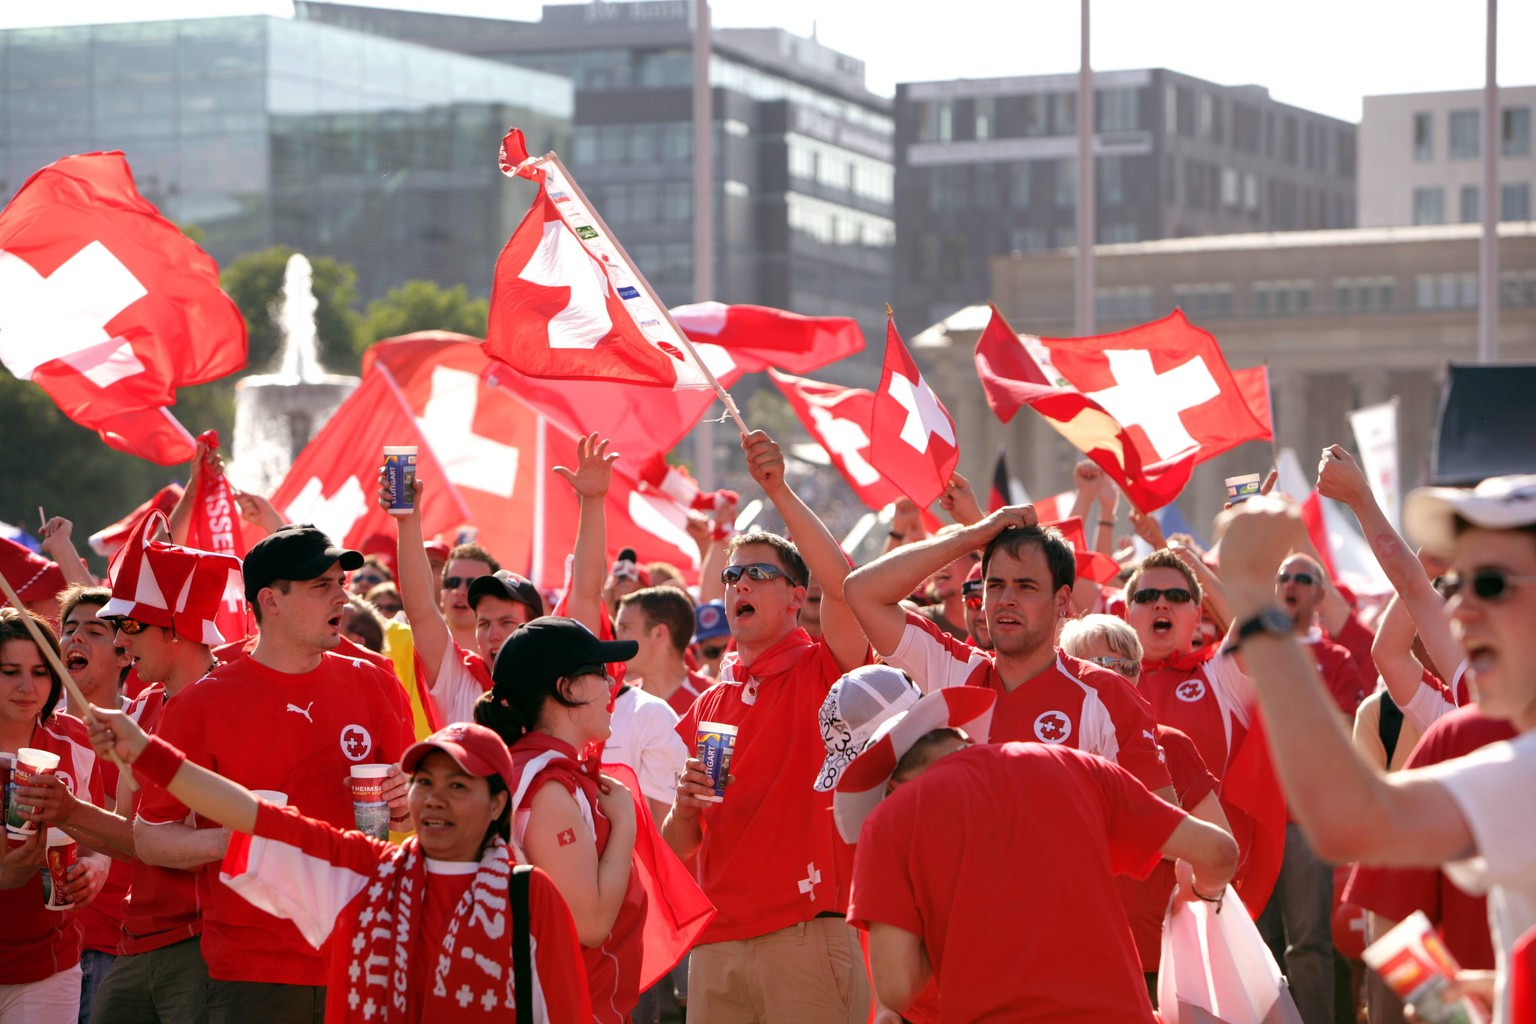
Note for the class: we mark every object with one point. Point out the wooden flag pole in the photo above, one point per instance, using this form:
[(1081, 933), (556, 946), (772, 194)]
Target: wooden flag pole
[(63, 673), (724, 395)]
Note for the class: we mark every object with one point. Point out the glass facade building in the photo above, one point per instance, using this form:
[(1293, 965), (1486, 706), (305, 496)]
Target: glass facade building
[(260, 131)]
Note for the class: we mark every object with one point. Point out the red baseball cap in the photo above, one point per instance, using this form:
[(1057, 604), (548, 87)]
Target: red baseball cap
[(473, 747)]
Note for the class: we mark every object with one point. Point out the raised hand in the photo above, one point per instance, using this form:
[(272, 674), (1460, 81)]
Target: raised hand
[(959, 500), (764, 461), (1148, 528), (594, 467), (1340, 477)]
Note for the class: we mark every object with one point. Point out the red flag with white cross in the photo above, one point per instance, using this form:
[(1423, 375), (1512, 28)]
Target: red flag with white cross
[(1145, 404), (913, 443), (842, 421), (108, 307), (567, 302)]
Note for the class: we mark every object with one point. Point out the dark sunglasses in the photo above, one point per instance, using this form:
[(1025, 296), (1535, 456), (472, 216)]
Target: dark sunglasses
[(756, 571), (367, 579), (455, 582), (1175, 595), (1304, 579), (712, 652), (1488, 583), (1124, 666), (131, 627), (973, 601)]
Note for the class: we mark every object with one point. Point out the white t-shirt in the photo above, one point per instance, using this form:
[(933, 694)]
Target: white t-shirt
[(456, 689), (1492, 787), (645, 739)]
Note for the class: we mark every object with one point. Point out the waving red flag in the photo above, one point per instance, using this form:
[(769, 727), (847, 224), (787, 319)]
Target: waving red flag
[(1145, 404), (759, 337), (913, 443), (567, 302), (842, 421), (108, 307), (334, 481)]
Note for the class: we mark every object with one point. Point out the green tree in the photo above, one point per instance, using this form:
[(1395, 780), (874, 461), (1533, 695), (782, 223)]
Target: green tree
[(255, 282), (422, 306)]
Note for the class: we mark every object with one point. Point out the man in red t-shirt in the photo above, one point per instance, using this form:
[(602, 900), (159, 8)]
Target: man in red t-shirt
[(292, 716), (769, 855), (1042, 694), (1074, 821)]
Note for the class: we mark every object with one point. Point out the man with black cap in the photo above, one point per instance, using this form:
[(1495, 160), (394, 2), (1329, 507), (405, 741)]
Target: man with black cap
[(501, 601), (291, 718)]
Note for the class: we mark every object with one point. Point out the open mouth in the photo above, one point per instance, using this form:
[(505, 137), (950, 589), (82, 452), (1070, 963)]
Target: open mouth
[(743, 610), (429, 826), (75, 661), (1162, 626)]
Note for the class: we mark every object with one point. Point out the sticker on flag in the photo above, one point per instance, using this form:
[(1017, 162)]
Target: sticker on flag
[(567, 302)]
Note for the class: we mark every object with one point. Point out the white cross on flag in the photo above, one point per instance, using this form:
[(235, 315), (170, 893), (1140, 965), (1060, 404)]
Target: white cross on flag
[(567, 302), (108, 307), (913, 442), (1145, 404), (334, 482), (842, 421)]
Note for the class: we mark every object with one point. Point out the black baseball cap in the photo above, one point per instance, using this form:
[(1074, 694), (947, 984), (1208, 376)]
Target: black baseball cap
[(508, 586), (298, 551), (552, 647)]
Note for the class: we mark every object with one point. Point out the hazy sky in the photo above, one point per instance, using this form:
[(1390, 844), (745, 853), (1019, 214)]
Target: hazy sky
[(1320, 54)]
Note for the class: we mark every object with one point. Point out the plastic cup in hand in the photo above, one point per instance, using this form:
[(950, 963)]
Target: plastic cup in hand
[(1413, 961), (369, 810), (29, 762), (716, 743), (62, 851), (400, 478), (271, 796), (1241, 488)]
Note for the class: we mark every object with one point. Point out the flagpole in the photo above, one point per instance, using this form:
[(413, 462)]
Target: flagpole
[(1085, 187), (1488, 246), (703, 210), (724, 395)]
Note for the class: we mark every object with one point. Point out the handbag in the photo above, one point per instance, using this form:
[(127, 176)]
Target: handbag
[(1216, 969), (522, 948)]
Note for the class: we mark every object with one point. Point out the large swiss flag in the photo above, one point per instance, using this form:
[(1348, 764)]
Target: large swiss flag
[(913, 443), (108, 307), (1145, 404), (842, 422)]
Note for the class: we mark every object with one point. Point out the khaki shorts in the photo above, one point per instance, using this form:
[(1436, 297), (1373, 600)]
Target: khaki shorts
[(808, 973)]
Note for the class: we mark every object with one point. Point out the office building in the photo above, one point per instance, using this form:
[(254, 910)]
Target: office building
[(987, 167)]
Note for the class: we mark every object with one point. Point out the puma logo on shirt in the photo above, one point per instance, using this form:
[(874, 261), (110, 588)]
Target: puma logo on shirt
[(303, 711)]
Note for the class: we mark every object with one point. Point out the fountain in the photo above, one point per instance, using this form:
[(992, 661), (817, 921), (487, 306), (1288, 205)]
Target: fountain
[(277, 413)]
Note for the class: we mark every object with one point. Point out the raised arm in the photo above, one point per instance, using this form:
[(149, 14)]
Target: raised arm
[(418, 597), (1349, 811), (590, 480), (59, 545), (959, 500), (823, 555), (874, 592)]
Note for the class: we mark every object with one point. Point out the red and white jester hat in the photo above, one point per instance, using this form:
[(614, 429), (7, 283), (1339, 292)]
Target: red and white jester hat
[(863, 783), (163, 584)]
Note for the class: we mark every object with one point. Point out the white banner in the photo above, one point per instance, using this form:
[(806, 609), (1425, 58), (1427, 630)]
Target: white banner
[(1375, 429)]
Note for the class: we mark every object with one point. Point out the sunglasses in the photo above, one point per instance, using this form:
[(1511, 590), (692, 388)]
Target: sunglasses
[(1124, 666), (370, 580), (758, 571), (1304, 579), (388, 610), (1488, 583), (973, 602), (455, 582), (131, 627), (712, 652), (1175, 595)]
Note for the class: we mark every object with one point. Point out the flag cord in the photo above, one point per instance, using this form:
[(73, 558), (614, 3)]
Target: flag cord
[(725, 396)]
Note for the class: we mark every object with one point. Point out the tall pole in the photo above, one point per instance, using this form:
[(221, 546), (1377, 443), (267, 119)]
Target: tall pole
[(1085, 193), (1488, 262), (703, 213)]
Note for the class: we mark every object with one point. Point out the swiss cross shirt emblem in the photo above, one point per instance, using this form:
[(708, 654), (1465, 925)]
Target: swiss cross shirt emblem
[(356, 742), (1190, 690), (1053, 727)]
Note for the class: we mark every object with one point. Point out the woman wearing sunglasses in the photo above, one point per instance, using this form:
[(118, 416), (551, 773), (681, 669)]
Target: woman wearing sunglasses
[(39, 948), (1111, 643)]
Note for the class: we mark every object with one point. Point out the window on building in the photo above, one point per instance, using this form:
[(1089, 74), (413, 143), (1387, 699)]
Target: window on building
[(1066, 183), (935, 121), (1429, 206), (1019, 183), (1036, 119), (1119, 233), (1118, 110), (986, 117), (1205, 115), (1471, 209), (1064, 113), (1515, 130), (1111, 179), (1261, 303), (1515, 202), (948, 188), (1250, 191), (1463, 135), (1343, 295), (1030, 239), (984, 187), (1229, 187)]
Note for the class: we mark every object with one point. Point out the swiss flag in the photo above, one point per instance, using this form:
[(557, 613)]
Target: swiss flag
[(334, 482), (108, 307), (567, 303), (842, 422), (1091, 564), (759, 337), (1145, 404), (914, 442), (108, 539)]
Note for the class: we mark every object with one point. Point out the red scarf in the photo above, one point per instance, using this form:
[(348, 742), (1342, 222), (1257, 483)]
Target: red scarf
[(1186, 662), (216, 528), (780, 657), (476, 953)]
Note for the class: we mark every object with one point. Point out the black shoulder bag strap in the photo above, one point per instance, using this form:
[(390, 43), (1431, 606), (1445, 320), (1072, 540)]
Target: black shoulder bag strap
[(522, 953), (1389, 725)]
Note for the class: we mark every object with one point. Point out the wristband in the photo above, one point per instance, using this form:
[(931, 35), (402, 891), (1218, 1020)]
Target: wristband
[(1209, 899), (720, 531), (158, 763), (896, 536), (1107, 522)]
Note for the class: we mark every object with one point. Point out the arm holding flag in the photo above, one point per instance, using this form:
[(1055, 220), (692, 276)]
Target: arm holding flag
[(959, 500), (822, 554), (875, 591), (590, 480)]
